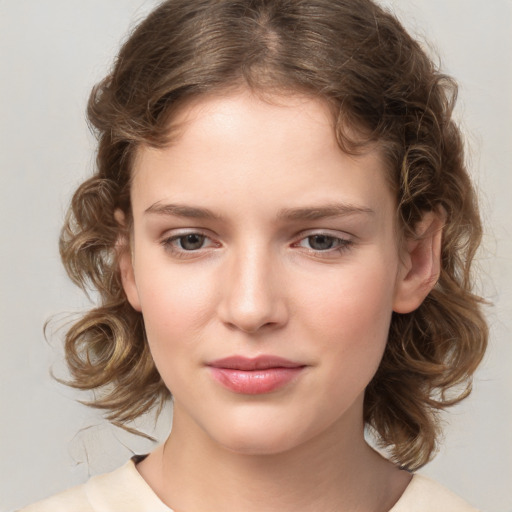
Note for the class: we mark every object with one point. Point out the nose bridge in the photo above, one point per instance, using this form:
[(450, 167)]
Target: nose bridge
[(253, 297)]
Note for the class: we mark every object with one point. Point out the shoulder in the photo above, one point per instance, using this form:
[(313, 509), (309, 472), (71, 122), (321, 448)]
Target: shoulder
[(74, 499), (123, 489), (426, 495)]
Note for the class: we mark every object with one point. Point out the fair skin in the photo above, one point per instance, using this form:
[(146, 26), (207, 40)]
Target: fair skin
[(254, 235)]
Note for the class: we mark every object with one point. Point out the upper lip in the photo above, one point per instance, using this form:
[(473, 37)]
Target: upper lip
[(263, 362)]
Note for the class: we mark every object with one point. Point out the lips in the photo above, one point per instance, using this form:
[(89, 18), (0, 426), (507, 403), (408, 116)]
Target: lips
[(259, 375)]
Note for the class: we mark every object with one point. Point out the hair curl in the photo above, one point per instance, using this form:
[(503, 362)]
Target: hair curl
[(358, 58)]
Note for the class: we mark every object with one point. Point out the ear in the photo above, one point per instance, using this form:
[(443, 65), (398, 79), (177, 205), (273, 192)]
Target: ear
[(421, 263), (125, 261)]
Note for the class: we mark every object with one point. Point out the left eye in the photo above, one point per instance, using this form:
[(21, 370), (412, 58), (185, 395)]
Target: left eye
[(323, 242)]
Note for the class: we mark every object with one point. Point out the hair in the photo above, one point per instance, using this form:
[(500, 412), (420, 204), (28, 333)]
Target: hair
[(359, 59)]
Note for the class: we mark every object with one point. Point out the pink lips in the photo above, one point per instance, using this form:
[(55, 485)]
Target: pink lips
[(260, 375)]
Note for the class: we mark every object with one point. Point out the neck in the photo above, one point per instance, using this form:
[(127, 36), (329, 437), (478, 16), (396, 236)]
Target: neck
[(335, 471)]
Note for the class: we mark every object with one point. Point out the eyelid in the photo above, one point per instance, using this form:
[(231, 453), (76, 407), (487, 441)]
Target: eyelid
[(342, 235), (179, 232)]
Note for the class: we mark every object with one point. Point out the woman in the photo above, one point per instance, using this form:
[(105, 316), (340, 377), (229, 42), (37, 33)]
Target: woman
[(281, 229)]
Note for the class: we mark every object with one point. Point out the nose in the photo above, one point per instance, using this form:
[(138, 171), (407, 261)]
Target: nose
[(253, 295)]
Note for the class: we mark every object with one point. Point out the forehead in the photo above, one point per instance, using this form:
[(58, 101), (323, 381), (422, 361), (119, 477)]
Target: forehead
[(281, 147), (251, 115)]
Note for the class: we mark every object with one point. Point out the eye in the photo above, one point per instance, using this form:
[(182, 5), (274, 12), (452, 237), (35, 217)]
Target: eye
[(322, 242), (187, 243), (190, 242)]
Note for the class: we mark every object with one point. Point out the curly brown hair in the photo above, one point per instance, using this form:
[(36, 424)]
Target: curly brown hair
[(357, 57)]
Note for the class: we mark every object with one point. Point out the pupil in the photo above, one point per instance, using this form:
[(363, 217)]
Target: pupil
[(321, 242), (191, 242)]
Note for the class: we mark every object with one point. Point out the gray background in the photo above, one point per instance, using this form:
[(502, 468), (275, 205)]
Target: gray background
[(51, 53)]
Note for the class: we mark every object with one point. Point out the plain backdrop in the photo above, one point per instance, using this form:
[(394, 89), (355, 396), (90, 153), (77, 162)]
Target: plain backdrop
[(51, 53)]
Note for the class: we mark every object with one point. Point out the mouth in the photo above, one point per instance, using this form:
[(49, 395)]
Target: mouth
[(259, 375)]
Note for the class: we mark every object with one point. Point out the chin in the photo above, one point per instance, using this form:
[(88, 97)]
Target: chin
[(267, 444), (261, 435)]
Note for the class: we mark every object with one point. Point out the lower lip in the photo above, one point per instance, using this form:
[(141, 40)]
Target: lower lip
[(255, 382)]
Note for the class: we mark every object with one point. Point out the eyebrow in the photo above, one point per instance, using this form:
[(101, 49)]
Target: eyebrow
[(323, 212), (289, 214), (181, 210)]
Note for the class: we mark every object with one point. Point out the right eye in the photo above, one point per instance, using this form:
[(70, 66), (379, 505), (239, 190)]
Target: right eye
[(190, 242), (184, 244)]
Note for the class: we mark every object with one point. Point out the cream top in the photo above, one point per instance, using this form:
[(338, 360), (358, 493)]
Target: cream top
[(124, 490)]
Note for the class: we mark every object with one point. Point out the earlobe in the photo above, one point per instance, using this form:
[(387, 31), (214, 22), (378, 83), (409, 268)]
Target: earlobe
[(125, 262), (421, 264)]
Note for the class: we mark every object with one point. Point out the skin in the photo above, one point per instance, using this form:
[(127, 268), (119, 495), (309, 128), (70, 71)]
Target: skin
[(260, 282)]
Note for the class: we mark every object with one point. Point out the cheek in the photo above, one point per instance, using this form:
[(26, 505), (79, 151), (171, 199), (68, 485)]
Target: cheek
[(350, 311), (176, 313), (176, 305)]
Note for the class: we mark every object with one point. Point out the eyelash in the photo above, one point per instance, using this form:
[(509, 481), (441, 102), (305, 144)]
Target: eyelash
[(343, 244)]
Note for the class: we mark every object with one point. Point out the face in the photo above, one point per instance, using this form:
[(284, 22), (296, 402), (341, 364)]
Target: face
[(265, 263)]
